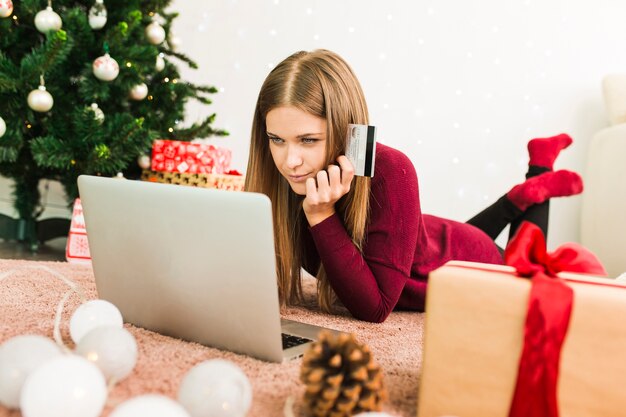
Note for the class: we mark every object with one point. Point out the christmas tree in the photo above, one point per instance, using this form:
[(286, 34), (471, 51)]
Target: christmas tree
[(85, 87)]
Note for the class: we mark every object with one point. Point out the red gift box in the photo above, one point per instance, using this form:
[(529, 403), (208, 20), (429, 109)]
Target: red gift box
[(77, 247), (189, 158)]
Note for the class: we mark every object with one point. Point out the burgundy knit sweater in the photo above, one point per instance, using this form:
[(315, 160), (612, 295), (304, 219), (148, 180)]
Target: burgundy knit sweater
[(402, 245)]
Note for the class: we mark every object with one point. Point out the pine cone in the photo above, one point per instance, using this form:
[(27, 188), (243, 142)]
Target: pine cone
[(341, 377)]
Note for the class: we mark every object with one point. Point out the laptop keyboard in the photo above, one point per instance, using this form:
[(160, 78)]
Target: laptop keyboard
[(290, 340)]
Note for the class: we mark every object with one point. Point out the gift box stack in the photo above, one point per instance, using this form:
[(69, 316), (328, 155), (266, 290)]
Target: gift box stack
[(194, 164), (529, 339)]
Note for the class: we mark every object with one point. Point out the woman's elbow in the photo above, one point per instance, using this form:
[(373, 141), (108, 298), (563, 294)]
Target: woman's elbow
[(372, 316)]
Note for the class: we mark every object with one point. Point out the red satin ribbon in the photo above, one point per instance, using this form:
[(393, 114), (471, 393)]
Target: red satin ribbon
[(549, 310)]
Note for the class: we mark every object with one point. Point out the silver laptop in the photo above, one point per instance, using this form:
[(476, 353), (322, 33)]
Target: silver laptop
[(193, 263)]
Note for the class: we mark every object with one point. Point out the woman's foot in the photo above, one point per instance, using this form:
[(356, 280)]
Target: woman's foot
[(543, 187), (543, 151)]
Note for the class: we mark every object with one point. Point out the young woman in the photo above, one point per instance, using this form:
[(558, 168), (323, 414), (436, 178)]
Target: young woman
[(366, 239)]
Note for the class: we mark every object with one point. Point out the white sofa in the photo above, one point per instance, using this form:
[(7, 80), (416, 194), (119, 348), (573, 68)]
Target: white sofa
[(603, 228)]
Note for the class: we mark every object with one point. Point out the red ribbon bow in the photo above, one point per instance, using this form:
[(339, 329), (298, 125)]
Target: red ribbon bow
[(549, 309)]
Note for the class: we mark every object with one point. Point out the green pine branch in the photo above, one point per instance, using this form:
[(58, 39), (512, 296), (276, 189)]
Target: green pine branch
[(9, 75), (182, 57), (200, 130), (46, 57)]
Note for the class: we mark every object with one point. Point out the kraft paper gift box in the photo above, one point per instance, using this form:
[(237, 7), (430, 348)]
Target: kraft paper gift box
[(474, 336), (220, 181)]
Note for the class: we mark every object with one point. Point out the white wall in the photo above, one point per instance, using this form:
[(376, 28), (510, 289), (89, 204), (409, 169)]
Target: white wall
[(460, 86)]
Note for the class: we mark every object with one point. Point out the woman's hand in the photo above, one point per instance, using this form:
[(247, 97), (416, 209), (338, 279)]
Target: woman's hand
[(331, 185)]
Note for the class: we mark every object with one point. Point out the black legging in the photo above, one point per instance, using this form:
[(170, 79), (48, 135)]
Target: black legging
[(497, 216)]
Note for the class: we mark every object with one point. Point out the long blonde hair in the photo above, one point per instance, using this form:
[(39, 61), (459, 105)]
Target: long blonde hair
[(320, 83)]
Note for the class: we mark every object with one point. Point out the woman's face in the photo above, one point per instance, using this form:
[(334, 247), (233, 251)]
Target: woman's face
[(297, 143)]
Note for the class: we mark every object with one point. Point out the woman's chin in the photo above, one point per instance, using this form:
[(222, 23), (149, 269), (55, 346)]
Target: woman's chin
[(298, 187)]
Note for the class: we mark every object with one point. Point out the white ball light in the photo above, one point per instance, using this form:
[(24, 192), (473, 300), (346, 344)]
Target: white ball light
[(155, 33), (160, 63), (40, 100), (112, 349), (66, 386), (6, 8), (152, 405), (139, 92), (19, 356), (3, 127), (105, 68), (215, 388), (93, 314), (144, 161), (47, 20)]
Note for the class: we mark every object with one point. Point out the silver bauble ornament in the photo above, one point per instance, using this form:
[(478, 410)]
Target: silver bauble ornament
[(139, 92), (98, 15), (160, 63), (6, 8), (47, 20), (98, 114), (40, 100), (105, 68), (155, 33), (143, 161), (3, 127)]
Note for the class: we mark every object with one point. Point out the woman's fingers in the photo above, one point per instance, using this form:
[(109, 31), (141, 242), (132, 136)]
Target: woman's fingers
[(347, 172), (330, 185)]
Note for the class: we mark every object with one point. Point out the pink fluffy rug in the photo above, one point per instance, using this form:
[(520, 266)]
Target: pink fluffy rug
[(29, 297)]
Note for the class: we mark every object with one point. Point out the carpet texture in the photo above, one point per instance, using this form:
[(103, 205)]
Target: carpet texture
[(29, 297)]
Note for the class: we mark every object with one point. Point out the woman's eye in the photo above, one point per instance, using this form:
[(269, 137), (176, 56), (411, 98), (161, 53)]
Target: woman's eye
[(308, 140), (275, 140)]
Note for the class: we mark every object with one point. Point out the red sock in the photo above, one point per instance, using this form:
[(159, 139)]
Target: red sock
[(543, 151), (543, 187)]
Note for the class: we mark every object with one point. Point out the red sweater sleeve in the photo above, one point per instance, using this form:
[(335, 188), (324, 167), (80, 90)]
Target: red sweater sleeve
[(370, 284)]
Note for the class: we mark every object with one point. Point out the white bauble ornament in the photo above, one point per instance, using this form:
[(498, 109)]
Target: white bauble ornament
[(6, 8), (3, 127), (98, 114), (105, 68), (40, 100), (93, 314), (174, 41), (19, 356), (215, 388), (47, 20), (155, 33), (97, 15), (144, 161), (152, 405), (66, 386), (139, 92), (112, 349), (160, 63)]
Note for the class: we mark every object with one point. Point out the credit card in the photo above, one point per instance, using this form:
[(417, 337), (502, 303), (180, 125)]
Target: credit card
[(361, 148)]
